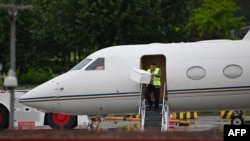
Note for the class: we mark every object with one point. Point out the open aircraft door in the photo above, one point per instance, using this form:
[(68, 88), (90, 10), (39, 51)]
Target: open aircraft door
[(160, 61)]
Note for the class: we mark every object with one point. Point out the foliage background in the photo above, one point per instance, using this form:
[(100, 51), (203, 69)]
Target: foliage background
[(56, 34)]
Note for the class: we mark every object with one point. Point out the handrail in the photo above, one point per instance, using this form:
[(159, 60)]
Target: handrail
[(142, 108), (165, 118), (141, 98), (163, 106), (143, 111), (164, 95), (165, 111)]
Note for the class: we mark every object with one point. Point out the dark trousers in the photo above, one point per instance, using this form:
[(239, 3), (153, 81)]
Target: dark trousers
[(156, 92)]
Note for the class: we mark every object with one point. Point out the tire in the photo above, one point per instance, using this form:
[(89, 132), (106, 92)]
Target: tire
[(237, 120), (4, 118), (61, 121)]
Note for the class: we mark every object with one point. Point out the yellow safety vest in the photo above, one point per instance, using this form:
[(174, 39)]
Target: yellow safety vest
[(156, 80)]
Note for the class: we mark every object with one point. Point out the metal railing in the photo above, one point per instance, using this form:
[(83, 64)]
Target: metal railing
[(165, 111), (142, 108)]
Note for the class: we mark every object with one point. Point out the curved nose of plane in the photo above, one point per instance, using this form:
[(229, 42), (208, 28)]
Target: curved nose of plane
[(44, 96)]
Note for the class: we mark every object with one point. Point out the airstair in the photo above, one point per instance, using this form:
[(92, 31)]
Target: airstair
[(154, 120)]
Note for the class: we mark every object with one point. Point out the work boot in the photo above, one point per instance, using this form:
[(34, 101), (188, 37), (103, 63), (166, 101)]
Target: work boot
[(148, 107), (157, 109)]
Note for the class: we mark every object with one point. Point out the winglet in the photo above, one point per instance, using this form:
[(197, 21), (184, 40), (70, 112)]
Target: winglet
[(247, 36)]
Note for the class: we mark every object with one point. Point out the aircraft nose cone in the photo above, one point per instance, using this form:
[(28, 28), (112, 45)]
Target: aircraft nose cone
[(27, 98), (44, 97)]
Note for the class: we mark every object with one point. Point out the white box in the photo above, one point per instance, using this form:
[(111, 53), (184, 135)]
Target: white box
[(140, 76)]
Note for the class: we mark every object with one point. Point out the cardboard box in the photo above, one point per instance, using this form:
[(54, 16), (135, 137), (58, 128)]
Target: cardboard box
[(140, 76)]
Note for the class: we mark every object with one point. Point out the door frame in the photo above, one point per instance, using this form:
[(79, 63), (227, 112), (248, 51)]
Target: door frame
[(160, 60)]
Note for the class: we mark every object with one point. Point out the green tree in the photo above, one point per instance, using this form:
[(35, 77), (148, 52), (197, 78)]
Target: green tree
[(4, 37), (73, 29), (214, 20), (106, 23), (58, 34), (53, 43)]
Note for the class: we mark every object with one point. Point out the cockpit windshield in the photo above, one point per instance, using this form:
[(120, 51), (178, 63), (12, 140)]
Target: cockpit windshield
[(98, 64), (81, 64)]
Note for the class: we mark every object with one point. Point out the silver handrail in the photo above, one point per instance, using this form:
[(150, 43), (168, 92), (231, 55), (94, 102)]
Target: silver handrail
[(164, 95), (141, 99), (165, 111), (142, 108), (143, 111)]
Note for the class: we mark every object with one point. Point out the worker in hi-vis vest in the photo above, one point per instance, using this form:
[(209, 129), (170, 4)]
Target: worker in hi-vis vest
[(153, 86)]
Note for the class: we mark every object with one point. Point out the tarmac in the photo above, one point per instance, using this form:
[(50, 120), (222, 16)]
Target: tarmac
[(203, 128)]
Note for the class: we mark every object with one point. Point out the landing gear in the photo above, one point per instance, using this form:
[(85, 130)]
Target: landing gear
[(94, 119), (237, 118)]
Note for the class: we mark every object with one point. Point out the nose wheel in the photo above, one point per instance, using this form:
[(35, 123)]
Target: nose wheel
[(97, 119), (237, 118)]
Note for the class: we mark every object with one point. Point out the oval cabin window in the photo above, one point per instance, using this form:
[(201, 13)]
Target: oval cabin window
[(196, 73), (233, 71)]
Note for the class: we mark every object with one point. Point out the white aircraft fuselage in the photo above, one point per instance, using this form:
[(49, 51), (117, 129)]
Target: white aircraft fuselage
[(199, 76)]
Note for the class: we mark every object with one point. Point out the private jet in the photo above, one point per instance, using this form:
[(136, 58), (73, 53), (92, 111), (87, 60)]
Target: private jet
[(196, 76)]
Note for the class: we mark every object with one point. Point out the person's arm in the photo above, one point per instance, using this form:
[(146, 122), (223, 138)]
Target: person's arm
[(159, 74)]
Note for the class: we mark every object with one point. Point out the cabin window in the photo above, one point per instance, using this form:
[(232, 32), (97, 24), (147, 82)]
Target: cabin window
[(233, 71), (81, 64), (196, 72), (98, 64)]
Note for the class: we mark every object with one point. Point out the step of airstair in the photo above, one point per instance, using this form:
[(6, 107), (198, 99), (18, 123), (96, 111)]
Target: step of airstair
[(153, 119)]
